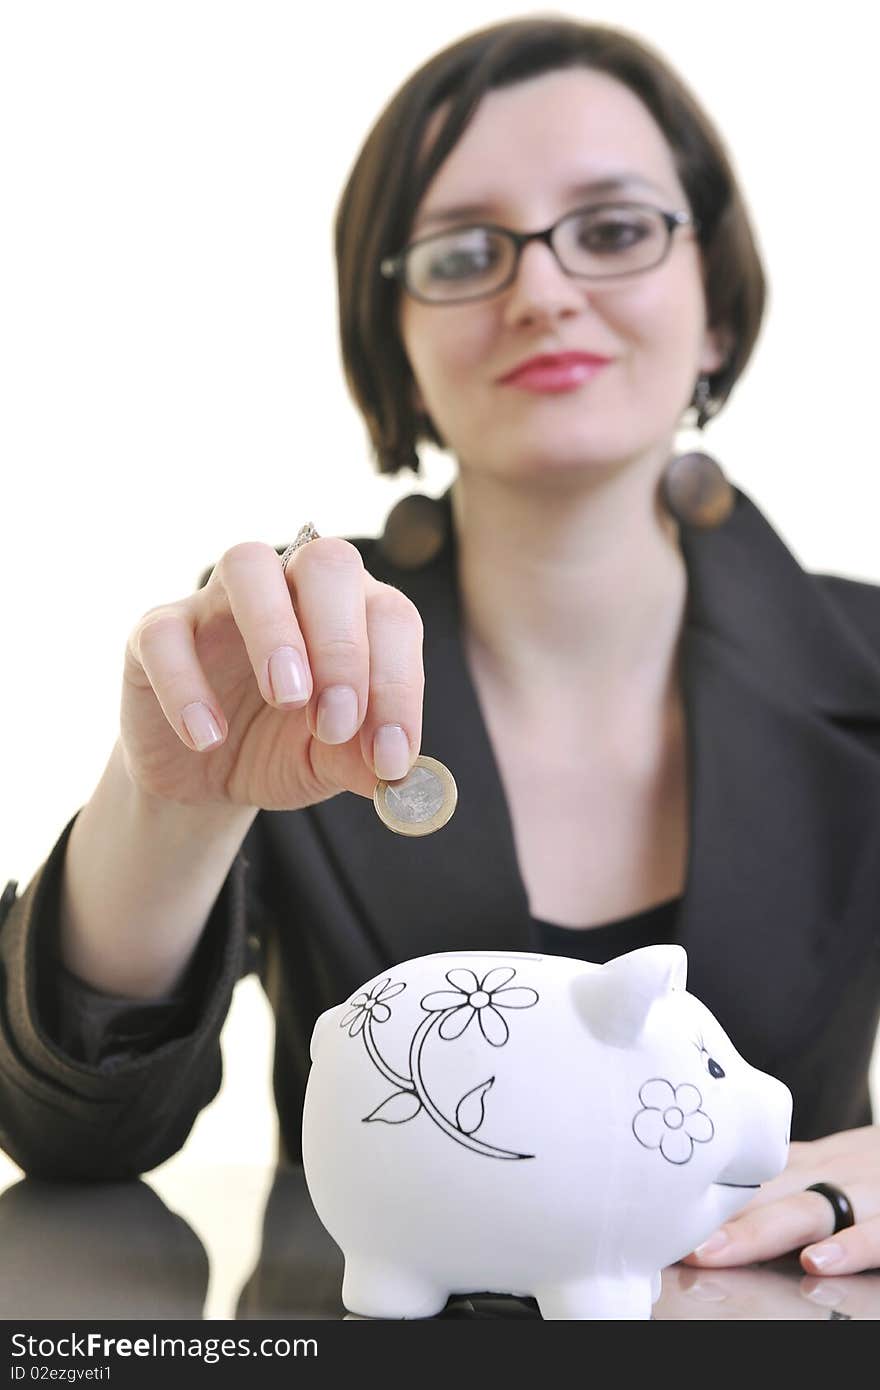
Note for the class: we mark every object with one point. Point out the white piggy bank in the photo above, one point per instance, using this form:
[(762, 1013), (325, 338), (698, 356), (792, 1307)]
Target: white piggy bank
[(494, 1122)]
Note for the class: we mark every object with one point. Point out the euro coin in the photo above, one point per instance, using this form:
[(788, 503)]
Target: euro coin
[(419, 803)]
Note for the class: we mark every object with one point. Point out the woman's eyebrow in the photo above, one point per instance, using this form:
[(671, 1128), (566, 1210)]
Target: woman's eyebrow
[(609, 184)]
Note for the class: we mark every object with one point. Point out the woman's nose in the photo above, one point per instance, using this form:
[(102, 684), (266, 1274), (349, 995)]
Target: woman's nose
[(541, 285)]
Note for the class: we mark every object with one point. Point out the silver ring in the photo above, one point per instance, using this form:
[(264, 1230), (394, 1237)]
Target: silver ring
[(303, 536)]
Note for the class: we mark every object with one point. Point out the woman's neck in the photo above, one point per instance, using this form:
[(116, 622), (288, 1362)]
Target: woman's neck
[(570, 589)]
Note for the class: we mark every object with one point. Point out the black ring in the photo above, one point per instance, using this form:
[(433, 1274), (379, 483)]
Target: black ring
[(842, 1206)]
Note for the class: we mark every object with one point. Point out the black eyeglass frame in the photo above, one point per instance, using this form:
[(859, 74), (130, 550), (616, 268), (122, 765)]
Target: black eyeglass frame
[(394, 267)]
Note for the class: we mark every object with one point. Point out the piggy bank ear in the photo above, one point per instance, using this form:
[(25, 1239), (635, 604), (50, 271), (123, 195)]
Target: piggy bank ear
[(613, 1002)]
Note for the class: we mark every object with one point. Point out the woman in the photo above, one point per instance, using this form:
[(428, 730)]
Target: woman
[(658, 722)]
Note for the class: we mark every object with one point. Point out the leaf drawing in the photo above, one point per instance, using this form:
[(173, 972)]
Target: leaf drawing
[(399, 1107), (448, 1014), (470, 1111)]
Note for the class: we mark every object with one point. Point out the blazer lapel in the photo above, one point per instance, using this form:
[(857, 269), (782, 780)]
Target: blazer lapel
[(784, 863), (784, 852), (459, 888)]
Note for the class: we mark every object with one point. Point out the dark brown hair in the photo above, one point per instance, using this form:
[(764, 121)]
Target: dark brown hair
[(388, 180)]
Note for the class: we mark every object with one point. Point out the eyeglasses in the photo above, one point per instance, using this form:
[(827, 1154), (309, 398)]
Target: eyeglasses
[(600, 242)]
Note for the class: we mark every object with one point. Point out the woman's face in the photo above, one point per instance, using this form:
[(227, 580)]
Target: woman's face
[(524, 146)]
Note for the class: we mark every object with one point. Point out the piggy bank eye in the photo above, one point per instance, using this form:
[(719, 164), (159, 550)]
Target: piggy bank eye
[(712, 1067)]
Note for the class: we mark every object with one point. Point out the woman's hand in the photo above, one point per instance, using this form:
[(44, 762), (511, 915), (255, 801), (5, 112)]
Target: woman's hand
[(784, 1217), (210, 656)]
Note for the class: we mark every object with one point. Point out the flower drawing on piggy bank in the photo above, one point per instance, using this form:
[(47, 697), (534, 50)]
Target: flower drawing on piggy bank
[(449, 1013), (470, 998), (370, 1006), (671, 1119)]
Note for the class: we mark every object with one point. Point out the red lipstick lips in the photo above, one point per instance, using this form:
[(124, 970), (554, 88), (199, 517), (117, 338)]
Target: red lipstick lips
[(557, 372), (556, 360)]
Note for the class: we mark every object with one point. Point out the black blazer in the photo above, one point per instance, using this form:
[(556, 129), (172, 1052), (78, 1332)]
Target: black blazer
[(780, 916)]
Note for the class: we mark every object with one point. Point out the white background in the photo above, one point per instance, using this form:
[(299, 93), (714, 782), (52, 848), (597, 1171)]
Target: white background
[(170, 375)]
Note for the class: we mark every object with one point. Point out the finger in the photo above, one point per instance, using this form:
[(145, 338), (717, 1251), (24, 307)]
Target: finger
[(392, 731), (329, 586), (794, 1179), (259, 599), (163, 645), (788, 1224), (807, 1163), (850, 1251)]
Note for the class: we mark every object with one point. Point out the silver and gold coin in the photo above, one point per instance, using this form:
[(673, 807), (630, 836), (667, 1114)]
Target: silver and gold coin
[(420, 802)]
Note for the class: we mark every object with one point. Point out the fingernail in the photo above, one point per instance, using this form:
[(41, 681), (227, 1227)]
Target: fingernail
[(824, 1256), (201, 725), (287, 675), (713, 1244), (391, 752), (337, 714)]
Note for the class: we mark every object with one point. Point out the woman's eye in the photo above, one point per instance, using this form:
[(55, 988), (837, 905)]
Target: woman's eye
[(610, 235), (457, 264)]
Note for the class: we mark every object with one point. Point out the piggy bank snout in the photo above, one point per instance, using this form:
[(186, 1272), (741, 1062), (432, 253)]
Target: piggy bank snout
[(765, 1108)]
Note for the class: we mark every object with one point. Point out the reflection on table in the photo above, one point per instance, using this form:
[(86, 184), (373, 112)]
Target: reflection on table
[(115, 1250)]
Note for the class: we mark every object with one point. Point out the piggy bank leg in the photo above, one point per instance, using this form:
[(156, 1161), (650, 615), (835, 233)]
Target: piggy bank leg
[(376, 1289), (603, 1298)]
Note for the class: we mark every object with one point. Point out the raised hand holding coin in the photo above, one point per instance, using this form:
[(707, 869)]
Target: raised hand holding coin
[(275, 685)]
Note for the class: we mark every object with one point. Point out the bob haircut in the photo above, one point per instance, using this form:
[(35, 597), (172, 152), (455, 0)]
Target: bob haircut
[(387, 182)]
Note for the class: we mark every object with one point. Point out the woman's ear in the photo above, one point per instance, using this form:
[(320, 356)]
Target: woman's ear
[(718, 346)]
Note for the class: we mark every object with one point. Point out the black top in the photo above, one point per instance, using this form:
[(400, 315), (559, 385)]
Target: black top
[(603, 943), (780, 675)]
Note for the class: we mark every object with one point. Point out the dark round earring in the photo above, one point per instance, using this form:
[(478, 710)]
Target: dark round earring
[(415, 531), (694, 487)]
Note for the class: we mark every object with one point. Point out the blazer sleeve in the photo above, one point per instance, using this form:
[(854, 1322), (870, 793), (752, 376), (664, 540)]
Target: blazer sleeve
[(97, 1086)]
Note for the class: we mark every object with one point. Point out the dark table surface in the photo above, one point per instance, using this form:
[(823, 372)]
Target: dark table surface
[(118, 1250)]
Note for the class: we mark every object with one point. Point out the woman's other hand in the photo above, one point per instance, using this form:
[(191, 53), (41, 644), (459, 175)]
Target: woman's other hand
[(784, 1216)]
